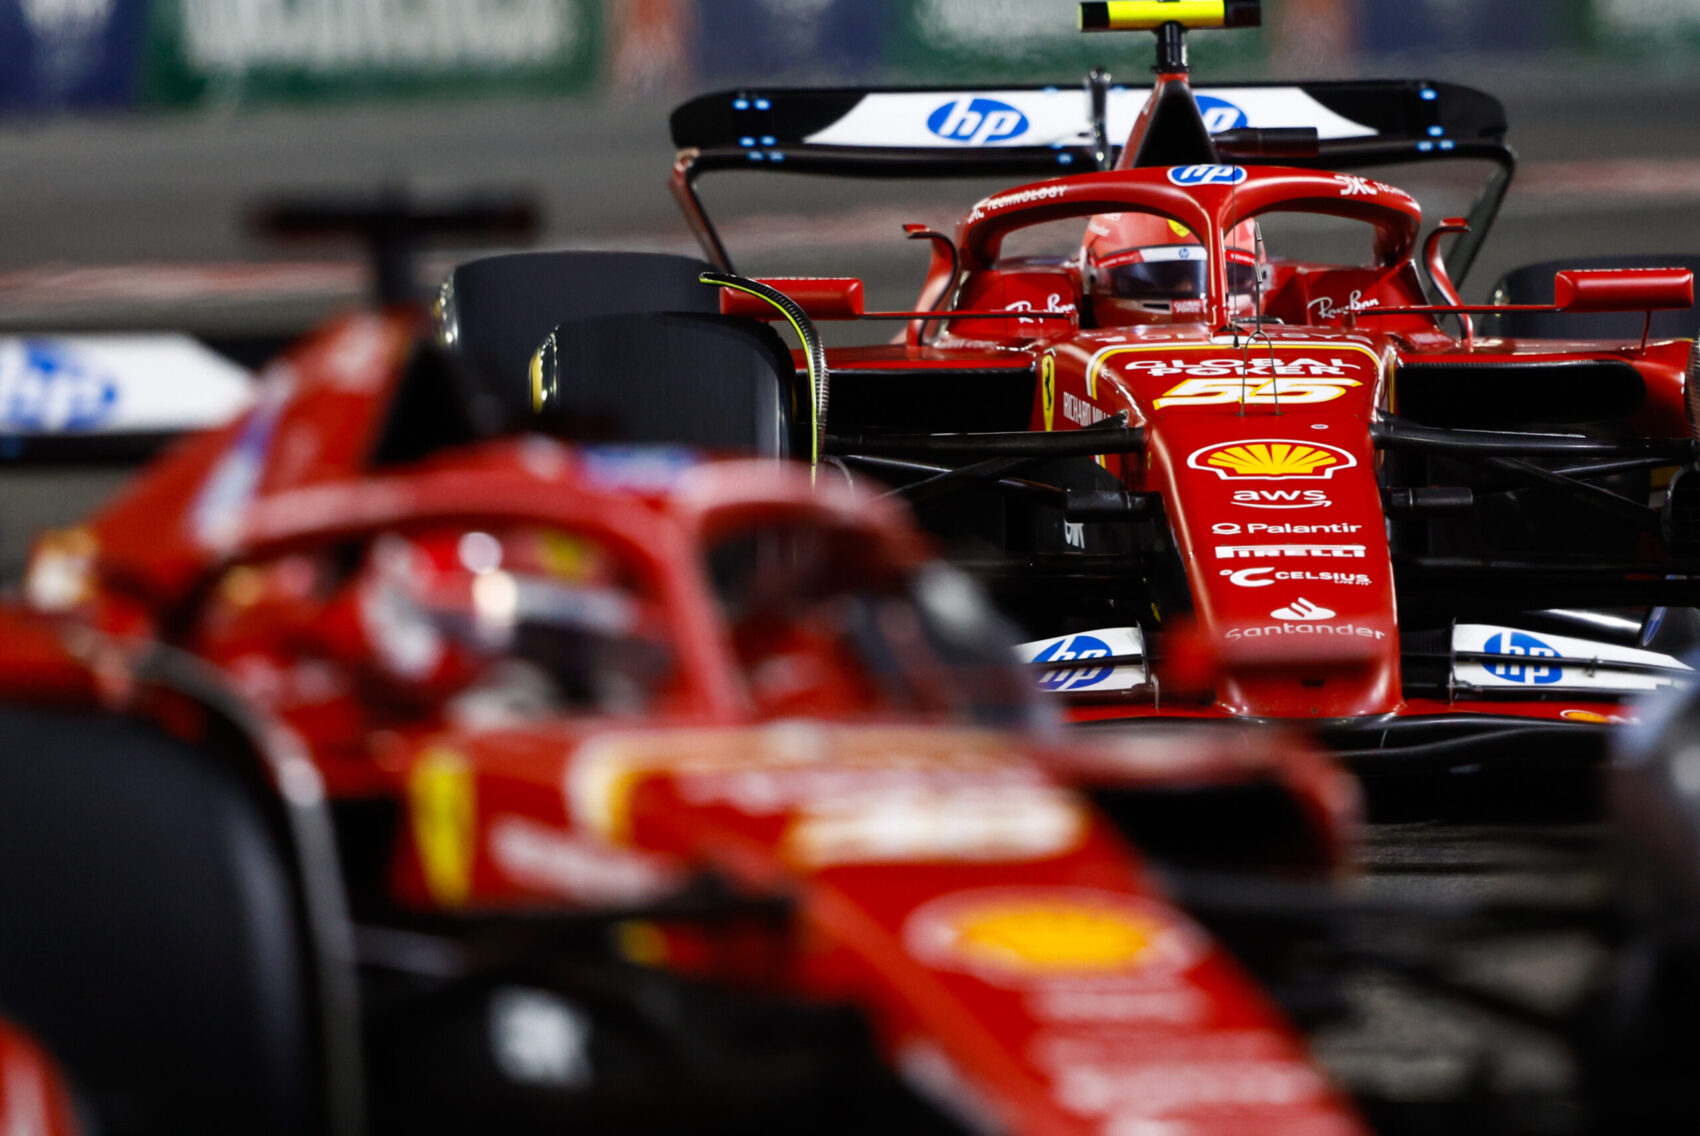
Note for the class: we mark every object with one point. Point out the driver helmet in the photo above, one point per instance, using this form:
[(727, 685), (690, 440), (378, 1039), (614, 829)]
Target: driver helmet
[(1143, 268), (437, 611)]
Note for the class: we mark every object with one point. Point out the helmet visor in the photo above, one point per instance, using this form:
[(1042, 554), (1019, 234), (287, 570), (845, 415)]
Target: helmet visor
[(1170, 273)]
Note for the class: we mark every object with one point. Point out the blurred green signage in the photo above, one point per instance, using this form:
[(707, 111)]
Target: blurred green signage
[(962, 41), (239, 51)]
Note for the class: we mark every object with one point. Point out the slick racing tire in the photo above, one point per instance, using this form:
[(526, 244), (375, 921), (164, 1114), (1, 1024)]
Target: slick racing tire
[(1533, 284), (148, 936), (493, 313)]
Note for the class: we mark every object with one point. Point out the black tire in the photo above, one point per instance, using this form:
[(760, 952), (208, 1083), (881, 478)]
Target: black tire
[(148, 932), (716, 382), (494, 312), (1532, 284)]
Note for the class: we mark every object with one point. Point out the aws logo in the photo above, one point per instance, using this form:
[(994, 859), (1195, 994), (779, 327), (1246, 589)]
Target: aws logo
[(977, 122), (1282, 498), (1271, 459)]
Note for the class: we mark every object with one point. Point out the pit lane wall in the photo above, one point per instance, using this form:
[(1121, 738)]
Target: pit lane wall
[(83, 55)]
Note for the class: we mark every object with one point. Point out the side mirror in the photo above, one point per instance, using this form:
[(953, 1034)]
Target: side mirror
[(821, 298), (1623, 289)]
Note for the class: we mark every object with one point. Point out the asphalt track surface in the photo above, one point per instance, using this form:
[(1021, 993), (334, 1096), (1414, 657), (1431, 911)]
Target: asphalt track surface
[(1601, 173)]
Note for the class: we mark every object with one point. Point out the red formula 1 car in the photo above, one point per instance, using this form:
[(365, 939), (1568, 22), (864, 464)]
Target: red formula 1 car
[(1438, 532), (527, 788)]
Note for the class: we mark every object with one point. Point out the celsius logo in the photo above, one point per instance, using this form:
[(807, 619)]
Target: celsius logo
[(977, 122), (1207, 175), (1220, 114), (1068, 650), (1263, 577), (1526, 649)]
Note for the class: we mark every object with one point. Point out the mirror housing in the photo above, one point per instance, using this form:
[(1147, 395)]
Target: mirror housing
[(1623, 289), (820, 297)]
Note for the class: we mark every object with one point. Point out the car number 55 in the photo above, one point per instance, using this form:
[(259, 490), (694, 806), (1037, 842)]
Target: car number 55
[(1218, 390)]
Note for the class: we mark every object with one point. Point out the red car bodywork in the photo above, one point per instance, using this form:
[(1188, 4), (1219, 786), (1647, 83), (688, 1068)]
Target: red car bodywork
[(1016, 956), (33, 1098), (1258, 438)]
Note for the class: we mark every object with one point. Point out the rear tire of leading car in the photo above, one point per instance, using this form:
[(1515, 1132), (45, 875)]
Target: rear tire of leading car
[(1533, 284)]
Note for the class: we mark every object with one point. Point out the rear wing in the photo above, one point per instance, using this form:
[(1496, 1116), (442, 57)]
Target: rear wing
[(1048, 131)]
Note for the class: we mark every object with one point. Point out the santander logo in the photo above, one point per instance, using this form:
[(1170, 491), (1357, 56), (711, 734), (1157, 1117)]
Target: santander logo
[(1302, 608)]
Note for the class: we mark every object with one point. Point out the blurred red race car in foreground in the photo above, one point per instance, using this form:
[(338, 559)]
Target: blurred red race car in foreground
[(667, 795)]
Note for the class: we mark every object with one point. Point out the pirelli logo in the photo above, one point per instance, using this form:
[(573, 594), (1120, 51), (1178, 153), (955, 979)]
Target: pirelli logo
[(1276, 551)]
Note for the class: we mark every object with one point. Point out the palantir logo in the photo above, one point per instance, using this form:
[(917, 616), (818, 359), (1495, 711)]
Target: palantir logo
[(1069, 649), (977, 122), (1527, 651), (1220, 114), (1207, 175)]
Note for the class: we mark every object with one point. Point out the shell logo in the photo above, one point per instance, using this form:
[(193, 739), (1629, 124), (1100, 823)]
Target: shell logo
[(1053, 936), (1272, 459), (1021, 935), (1593, 717)]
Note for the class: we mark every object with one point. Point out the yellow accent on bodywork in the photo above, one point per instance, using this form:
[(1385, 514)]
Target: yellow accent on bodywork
[(809, 362), (1048, 388), (537, 380), (443, 810), (1098, 360)]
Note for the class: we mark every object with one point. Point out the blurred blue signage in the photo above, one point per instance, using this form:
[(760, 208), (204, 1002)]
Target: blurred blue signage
[(792, 39), (69, 54)]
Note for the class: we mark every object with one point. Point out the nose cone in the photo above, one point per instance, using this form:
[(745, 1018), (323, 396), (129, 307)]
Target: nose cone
[(1280, 522)]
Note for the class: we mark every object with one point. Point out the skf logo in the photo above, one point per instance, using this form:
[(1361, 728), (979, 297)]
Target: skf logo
[(977, 122), (1271, 459), (1220, 114), (1207, 175)]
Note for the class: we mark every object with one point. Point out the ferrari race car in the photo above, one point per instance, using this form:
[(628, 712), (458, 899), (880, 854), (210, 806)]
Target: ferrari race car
[(526, 788), (1433, 530)]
